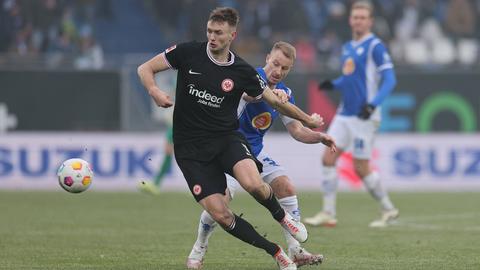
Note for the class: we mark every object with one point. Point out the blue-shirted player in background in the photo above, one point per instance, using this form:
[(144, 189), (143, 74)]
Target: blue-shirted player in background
[(367, 79), (255, 119)]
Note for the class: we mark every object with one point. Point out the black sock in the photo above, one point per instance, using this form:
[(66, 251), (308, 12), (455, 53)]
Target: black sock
[(244, 231), (273, 206)]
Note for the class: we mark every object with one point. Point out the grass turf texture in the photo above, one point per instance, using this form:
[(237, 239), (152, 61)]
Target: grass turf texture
[(95, 230)]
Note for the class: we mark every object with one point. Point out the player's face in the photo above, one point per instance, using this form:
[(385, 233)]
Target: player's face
[(220, 35), (360, 21), (277, 67)]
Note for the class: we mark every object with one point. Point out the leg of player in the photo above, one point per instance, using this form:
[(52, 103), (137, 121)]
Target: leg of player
[(167, 160), (327, 217), (153, 188), (166, 165), (206, 226), (246, 173), (374, 186), (241, 229), (286, 194)]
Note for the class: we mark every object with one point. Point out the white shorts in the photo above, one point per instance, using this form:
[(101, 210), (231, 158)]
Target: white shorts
[(271, 170), (354, 135)]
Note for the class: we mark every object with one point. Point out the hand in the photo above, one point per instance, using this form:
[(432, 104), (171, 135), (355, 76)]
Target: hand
[(329, 142), (326, 85), (366, 111), (315, 121), (282, 95), (161, 98)]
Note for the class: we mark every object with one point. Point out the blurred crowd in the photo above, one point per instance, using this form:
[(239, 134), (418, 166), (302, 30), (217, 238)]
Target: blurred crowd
[(420, 32), (59, 29), (428, 33)]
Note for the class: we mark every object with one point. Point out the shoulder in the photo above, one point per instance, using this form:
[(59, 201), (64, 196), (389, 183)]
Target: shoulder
[(376, 44), (244, 69), (193, 45), (243, 65)]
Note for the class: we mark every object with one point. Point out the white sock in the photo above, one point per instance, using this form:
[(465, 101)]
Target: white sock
[(329, 189), (205, 228), (290, 204), (374, 186)]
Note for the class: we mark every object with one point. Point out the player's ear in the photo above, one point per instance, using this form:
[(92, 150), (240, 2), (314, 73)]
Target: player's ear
[(266, 58), (234, 35)]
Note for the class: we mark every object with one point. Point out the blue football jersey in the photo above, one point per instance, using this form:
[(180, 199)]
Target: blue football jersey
[(362, 64), (256, 118)]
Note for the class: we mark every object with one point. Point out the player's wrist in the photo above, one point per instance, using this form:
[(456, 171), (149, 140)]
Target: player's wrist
[(153, 89), (366, 111), (326, 85)]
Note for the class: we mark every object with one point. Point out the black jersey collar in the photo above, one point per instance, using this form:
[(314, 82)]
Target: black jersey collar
[(232, 58)]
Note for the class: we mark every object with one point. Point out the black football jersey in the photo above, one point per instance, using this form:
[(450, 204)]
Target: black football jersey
[(208, 91)]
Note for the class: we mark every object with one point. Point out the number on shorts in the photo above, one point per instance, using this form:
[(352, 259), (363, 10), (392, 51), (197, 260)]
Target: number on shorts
[(359, 144), (270, 161)]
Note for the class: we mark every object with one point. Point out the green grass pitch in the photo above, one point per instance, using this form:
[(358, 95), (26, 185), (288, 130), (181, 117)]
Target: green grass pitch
[(97, 230)]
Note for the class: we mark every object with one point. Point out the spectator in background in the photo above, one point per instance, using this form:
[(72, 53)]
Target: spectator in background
[(7, 30), (460, 19), (91, 53)]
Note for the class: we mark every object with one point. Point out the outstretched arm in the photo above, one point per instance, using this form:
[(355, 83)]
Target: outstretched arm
[(291, 110), (306, 135), (389, 81), (146, 72)]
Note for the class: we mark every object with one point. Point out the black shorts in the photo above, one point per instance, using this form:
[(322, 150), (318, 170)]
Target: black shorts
[(204, 163)]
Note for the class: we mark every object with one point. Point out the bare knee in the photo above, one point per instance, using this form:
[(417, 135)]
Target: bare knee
[(362, 168), (217, 206), (282, 187), (261, 191), (329, 159), (224, 217)]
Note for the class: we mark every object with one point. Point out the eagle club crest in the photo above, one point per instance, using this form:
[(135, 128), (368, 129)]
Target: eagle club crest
[(227, 85), (197, 189)]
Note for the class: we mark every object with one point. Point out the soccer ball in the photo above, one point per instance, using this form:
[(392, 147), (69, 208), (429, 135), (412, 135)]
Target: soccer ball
[(75, 175)]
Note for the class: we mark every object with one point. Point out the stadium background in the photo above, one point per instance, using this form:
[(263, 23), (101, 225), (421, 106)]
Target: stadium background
[(69, 86)]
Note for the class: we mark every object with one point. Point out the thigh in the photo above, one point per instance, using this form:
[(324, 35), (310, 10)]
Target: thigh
[(340, 132), (271, 169), (236, 149), (363, 134), (203, 178), (247, 175)]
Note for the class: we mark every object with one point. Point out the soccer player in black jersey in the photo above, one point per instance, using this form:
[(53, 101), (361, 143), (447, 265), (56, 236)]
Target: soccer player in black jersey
[(210, 82)]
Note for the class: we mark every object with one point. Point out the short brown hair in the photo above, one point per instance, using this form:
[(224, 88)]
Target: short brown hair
[(225, 14), (363, 5), (288, 50)]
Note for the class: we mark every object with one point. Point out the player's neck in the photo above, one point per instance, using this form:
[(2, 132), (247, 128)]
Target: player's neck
[(220, 56), (360, 36)]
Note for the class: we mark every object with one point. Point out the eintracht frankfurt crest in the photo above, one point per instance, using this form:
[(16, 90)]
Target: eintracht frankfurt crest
[(227, 85)]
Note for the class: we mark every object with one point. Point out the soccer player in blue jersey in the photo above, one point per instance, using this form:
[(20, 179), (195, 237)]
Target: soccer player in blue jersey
[(255, 120), (367, 79)]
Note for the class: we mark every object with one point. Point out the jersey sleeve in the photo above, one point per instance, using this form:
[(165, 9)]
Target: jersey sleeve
[(176, 55), (381, 57), (255, 85)]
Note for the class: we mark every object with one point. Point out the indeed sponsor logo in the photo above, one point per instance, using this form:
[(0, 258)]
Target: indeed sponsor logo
[(204, 97)]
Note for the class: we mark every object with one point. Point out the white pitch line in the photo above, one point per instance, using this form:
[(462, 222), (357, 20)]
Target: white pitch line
[(418, 222), (443, 217), (431, 227)]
